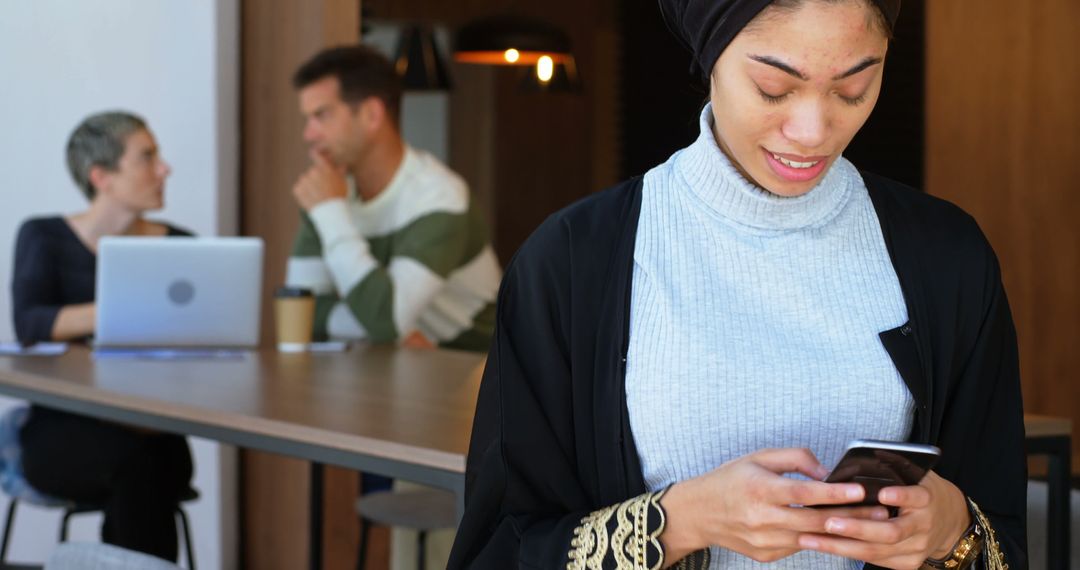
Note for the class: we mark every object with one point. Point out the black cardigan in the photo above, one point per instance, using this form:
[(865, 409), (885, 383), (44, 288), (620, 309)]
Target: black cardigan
[(53, 268), (552, 442)]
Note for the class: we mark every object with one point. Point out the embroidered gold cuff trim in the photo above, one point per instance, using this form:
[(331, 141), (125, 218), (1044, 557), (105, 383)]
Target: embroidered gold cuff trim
[(992, 555), (620, 536)]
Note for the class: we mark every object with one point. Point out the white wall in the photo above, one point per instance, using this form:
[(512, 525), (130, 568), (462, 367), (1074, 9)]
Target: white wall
[(176, 64)]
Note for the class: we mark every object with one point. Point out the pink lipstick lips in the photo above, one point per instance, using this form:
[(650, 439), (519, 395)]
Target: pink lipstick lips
[(795, 168)]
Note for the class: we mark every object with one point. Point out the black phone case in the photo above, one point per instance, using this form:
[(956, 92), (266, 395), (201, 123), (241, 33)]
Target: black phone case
[(875, 469)]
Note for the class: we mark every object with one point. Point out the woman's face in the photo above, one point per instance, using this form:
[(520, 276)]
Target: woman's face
[(138, 183), (793, 88)]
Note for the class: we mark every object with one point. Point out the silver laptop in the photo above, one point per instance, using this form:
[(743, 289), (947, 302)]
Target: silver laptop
[(178, 292)]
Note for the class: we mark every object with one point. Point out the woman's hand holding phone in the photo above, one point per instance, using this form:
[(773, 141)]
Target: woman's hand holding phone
[(932, 517), (932, 512), (747, 506)]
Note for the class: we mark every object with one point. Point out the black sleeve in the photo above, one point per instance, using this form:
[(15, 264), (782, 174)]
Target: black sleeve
[(971, 354), (177, 231), (523, 497), (526, 503), (34, 298), (983, 422)]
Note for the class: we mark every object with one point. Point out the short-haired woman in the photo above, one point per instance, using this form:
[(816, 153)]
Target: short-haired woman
[(139, 475)]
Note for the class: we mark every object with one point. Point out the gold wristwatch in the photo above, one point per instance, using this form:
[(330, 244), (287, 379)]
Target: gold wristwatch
[(964, 554)]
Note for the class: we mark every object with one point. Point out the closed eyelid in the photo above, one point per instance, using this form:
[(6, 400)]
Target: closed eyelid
[(770, 92), (855, 95), (854, 88), (775, 84)]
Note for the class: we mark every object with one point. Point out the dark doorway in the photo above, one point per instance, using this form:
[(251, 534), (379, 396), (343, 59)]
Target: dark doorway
[(659, 99), (891, 142)]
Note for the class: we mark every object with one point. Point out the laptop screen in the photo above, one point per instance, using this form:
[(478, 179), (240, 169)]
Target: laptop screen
[(178, 291)]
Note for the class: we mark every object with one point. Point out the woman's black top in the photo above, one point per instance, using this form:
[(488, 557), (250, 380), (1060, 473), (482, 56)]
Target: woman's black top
[(551, 442), (53, 268)]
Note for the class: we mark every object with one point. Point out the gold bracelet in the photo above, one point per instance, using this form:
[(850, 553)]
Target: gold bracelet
[(964, 553)]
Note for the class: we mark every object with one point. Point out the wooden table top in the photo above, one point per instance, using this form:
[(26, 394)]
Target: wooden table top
[(392, 404), (396, 404)]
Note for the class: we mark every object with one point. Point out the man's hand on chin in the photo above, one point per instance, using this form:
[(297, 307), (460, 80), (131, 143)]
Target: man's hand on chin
[(323, 181)]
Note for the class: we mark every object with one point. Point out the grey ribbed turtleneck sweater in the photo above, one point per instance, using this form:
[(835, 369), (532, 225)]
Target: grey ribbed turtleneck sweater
[(754, 323)]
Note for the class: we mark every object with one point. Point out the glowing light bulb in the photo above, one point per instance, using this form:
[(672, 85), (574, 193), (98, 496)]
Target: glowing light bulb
[(512, 55), (545, 68)]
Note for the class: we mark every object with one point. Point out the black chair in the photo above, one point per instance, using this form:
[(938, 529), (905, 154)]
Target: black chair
[(72, 509)]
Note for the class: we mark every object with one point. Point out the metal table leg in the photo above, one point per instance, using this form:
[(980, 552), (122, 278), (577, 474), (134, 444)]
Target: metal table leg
[(315, 507), (1058, 450)]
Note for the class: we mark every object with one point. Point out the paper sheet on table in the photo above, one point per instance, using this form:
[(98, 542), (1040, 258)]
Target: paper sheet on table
[(169, 354), (36, 349)]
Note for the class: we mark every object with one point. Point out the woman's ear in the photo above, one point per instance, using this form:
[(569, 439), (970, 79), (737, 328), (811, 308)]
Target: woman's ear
[(100, 178)]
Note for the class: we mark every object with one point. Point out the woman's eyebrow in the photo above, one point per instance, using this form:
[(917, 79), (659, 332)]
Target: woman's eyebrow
[(868, 62), (778, 64), (772, 61)]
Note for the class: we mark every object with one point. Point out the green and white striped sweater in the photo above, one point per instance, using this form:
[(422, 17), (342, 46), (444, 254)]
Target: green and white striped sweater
[(414, 258)]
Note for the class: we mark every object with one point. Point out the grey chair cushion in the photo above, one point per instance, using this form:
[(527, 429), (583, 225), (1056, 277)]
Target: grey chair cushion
[(427, 509), (99, 556)]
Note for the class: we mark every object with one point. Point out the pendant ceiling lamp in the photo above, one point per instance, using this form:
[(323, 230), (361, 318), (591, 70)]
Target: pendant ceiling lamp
[(510, 40), (418, 61), (550, 77)]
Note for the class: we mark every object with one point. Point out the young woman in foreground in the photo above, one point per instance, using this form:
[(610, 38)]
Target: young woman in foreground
[(679, 361)]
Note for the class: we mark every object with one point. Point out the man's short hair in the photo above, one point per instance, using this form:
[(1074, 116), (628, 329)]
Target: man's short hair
[(361, 72), (99, 141)]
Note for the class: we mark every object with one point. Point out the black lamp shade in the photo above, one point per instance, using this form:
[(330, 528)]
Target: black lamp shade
[(418, 61), (487, 40)]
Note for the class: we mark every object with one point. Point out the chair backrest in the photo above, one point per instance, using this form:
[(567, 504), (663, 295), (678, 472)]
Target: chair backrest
[(100, 556), (12, 480), (10, 424)]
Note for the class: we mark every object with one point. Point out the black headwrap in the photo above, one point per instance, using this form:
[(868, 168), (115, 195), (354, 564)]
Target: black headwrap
[(706, 27)]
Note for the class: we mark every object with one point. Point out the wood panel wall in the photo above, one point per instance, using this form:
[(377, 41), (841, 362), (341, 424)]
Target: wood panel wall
[(277, 36), (1003, 140)]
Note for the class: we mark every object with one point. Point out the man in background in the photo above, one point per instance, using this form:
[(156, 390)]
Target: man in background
[(390, 240)]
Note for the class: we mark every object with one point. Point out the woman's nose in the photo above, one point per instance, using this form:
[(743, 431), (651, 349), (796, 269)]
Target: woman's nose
[(807, 125)]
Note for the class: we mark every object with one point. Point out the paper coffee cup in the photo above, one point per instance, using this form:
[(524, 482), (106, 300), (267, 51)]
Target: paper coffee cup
[(294, 315)]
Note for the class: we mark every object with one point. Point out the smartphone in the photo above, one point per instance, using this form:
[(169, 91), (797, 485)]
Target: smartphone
[(878, 464)]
